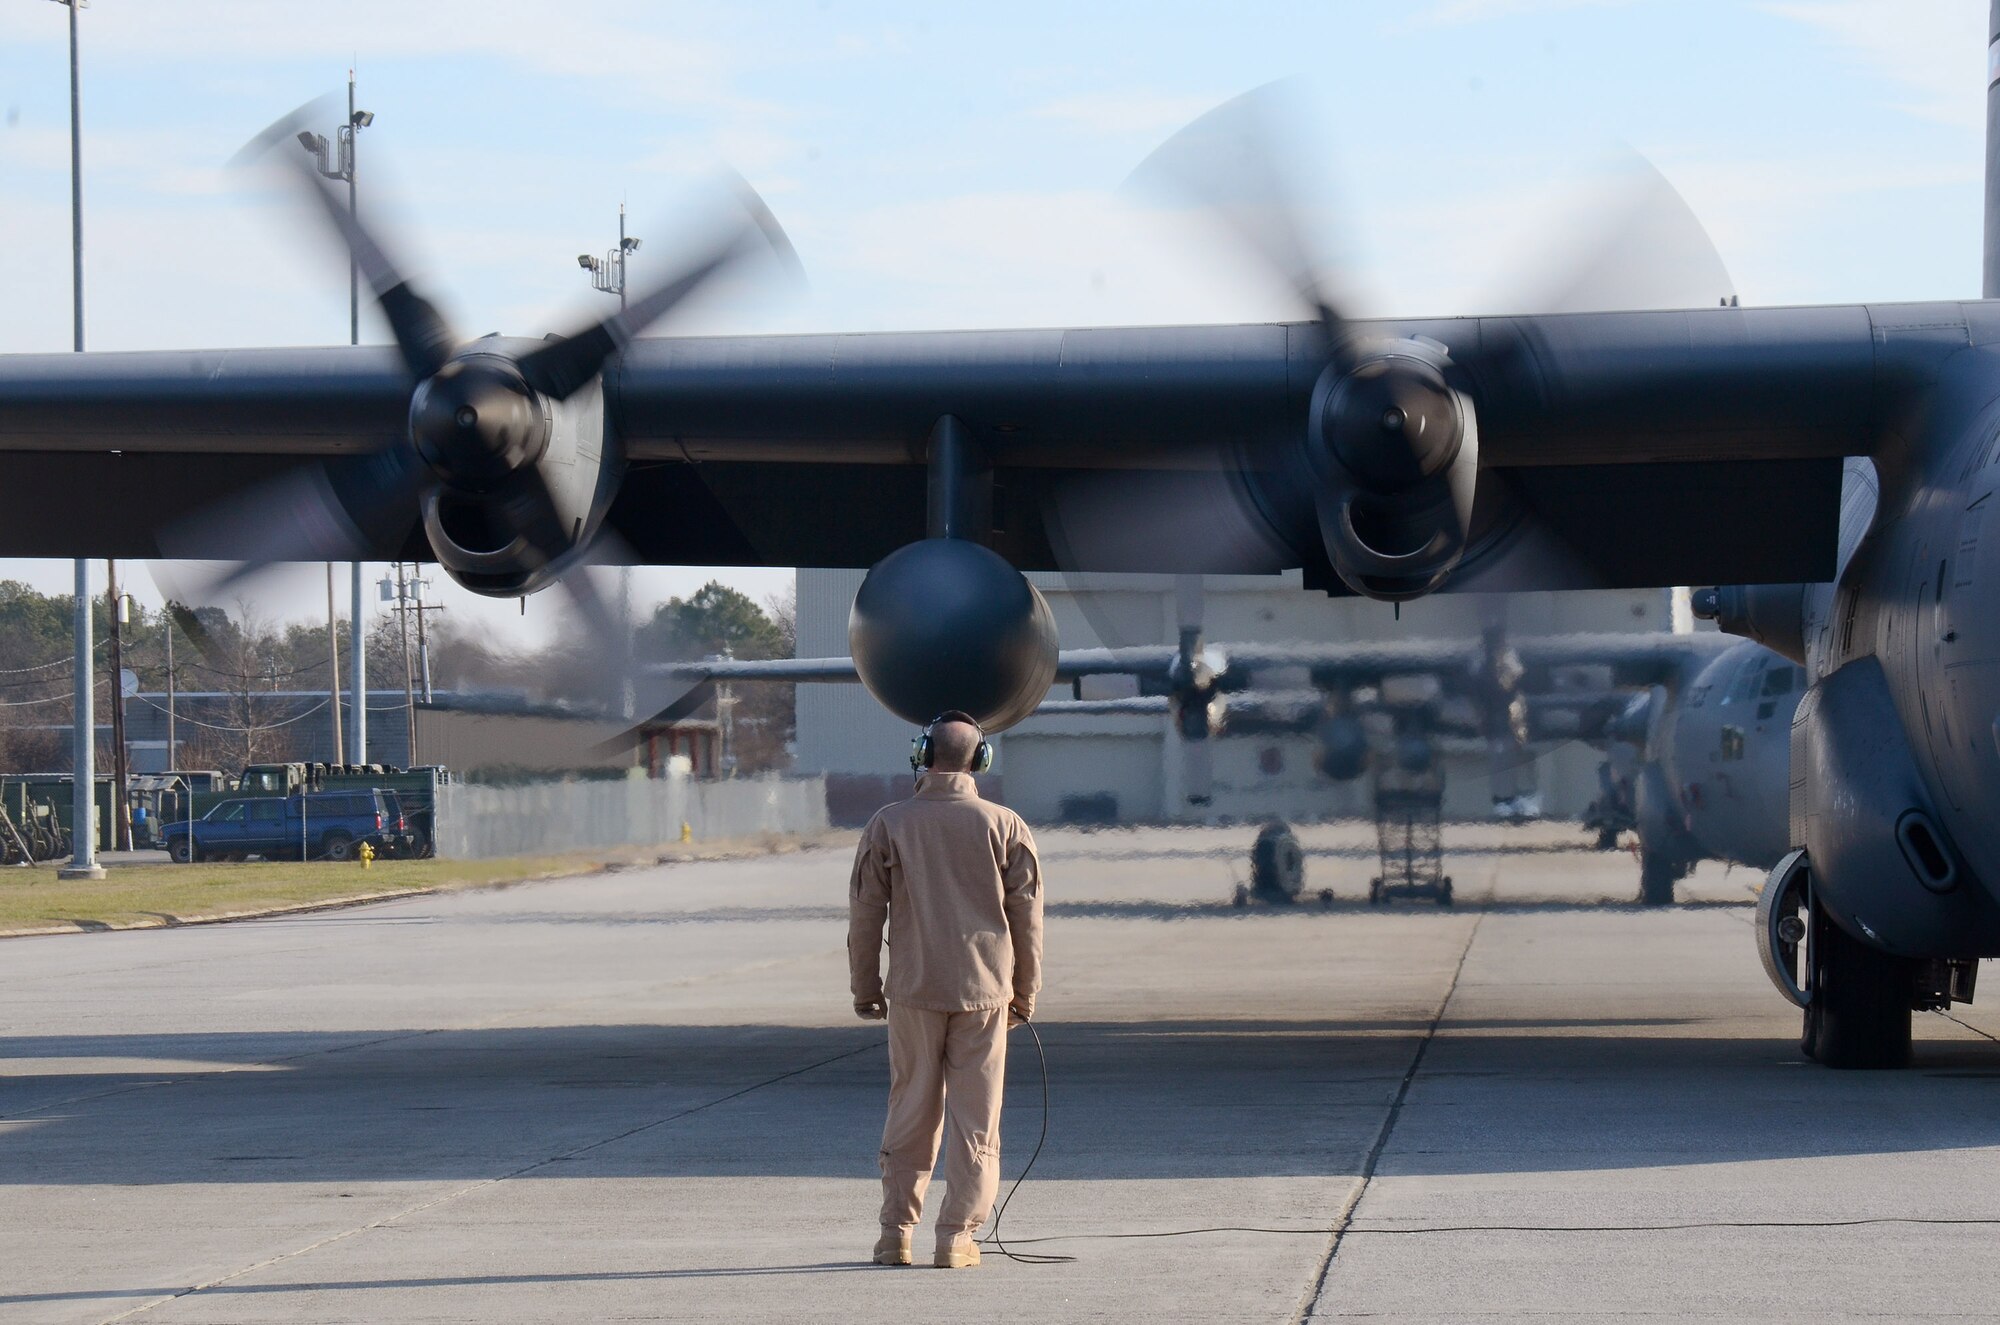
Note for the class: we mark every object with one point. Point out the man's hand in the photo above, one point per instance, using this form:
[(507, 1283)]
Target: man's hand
[(1018, 1014), (871, 1009)]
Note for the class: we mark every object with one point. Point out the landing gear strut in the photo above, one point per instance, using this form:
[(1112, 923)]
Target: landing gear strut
[(1658, 873), (1857, 998), (1859, 1011)]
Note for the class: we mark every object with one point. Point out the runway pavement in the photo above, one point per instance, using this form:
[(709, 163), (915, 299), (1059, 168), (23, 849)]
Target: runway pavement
[(642, 1096)]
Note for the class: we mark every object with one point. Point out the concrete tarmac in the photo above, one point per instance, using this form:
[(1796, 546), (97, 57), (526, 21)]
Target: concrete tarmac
[(643, 1096)]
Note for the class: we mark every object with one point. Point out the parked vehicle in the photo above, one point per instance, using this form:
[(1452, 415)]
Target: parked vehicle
[(326, 825), (413, 790)]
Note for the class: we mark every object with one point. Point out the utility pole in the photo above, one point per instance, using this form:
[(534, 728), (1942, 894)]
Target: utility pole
[(341, 167), (417, 587), (333, 663), (409, 688), (406, 595), (121, 773), (173, 752), (83, 765)]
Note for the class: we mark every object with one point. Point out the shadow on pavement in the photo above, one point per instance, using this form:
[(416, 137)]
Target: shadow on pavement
[(1166, 1099), (439, 1281)]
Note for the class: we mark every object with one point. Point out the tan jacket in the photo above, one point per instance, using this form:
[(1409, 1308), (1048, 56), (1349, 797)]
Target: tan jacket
[(956, 880)]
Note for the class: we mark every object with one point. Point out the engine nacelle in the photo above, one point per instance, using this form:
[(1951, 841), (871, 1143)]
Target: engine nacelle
[(1394, 448), (1774, 615), (948, 624), (514, 530), (1343, 747)]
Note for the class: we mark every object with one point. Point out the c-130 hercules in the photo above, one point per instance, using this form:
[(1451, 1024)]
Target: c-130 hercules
[(1391, 458)]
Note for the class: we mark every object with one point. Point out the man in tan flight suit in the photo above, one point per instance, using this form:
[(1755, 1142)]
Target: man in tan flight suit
[(956, 880)]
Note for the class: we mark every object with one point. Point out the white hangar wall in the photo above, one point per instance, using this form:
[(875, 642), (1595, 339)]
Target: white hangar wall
[(1054, 768)]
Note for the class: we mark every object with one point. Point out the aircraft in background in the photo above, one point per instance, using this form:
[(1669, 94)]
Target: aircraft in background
[(1391, 458), (1379, 709)]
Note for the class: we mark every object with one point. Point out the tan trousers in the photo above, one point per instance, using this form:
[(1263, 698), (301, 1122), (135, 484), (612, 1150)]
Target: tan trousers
[(946, 1070)]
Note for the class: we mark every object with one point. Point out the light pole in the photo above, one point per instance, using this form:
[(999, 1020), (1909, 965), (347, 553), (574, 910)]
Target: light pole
[(83, 801), (340, 166), (333, 664), (121, 781), (608, 272), (608, 275)]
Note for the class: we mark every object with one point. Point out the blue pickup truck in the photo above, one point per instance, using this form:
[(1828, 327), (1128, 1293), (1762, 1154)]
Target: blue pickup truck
[(321, 825)]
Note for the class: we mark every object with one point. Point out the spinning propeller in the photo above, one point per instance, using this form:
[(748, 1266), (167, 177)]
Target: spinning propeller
[(1383, 481), (507, 459)]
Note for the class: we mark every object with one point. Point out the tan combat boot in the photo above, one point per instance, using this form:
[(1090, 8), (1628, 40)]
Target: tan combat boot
[(893, 1247), (956, 1252)]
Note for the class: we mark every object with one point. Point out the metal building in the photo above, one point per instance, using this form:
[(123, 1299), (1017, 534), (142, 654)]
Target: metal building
[(1057, 769)]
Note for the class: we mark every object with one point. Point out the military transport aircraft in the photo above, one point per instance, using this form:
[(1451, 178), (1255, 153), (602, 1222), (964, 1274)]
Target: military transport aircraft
[(1391, 458)]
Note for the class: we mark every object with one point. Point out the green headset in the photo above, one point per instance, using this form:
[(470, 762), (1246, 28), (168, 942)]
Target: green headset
[(922, 751)]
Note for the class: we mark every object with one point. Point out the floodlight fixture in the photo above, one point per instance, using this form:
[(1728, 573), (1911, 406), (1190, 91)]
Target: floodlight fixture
[(607, 274), (312, 142), (361, 119)]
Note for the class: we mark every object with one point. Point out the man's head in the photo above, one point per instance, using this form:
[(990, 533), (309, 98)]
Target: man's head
[(955, 739)]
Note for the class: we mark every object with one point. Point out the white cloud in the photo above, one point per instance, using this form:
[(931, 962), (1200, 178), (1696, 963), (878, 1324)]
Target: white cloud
[(1457, 13), (1126, 113), (1932, 48), (615, 45)]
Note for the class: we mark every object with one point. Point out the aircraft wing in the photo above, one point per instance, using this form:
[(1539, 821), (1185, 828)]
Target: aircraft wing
[(1070, 664), (1634, 659), (762, 669), (1622, 448)]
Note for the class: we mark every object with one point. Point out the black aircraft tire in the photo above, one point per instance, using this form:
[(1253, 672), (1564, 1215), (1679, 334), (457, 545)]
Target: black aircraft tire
[(1657, 876), (1277, 864), (1859, 1016)]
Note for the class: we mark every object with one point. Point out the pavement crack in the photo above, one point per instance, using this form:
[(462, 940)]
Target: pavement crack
[(445, 1198), (1344, 1217)]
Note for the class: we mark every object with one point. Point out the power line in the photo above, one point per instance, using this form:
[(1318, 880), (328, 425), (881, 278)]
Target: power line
[(31, 703), (223, 727)]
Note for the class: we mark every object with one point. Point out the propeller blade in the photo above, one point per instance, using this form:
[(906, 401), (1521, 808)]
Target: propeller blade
[(1188, 604), (1198, 773), (421, 332), (1100, 525), (1233, 165), (561, 367), (1630, 243)]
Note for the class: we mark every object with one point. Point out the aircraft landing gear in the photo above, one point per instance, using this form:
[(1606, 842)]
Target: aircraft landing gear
[(1658, 873), (1277, 867), (1857, 998), (1859, 1012)]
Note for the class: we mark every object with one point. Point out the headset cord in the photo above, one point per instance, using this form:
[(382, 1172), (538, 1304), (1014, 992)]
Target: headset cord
[(992, 1237)]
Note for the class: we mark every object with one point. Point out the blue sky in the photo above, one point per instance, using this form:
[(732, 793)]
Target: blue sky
[(959, 165)]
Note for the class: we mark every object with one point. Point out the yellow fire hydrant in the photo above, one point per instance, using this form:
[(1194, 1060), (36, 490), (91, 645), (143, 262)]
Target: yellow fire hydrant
[(687, 831), (366, 855)]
